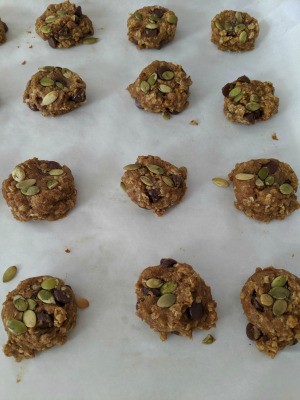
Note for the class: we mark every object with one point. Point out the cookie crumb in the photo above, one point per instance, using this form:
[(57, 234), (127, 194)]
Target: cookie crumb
[(67, 250), (29, 32), (23, 63), (82, 302), (194, 122), (274, 136), (30, 46)]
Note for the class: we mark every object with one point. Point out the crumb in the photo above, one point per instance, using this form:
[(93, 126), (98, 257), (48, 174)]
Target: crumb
[(28, 31), (23, 63), (194, 122), (274, 136), (30, 46), (82, 302), (293, 255), (67, 250), (18, 47)]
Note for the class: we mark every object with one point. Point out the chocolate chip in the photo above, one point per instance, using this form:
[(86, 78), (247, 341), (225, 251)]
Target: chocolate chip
[(167, 262), (257, 305), (227, 88), (177, 180), (44, 320), (64, 32), (163, 69), (243, 78), (155, 291), (33, 108), (53, 165), (154, 195), (5, 26), (138, 104), (272, 166), (195, 312), (79, 97), (78, 11), (39, 100), (250, 118), (61, 80), (258, 114), (52, 42), (158, 12), (252, 332), (151, 32), (61, 296)]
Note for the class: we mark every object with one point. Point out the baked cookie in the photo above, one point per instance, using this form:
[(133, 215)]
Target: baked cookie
[(173, 298), (63, 25), (39, 190), (154, 184), (54, 91), (247, 101), (151, 27), (161, 87), (234, 31), (271, 302), (265, 189), (3, 30), (38, 315)]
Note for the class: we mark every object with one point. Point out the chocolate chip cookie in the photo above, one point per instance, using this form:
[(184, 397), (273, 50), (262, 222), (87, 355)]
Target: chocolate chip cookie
[(151, 27), (154, 184), (234, 31), (173, 298), (63, 25), (39, 190), (3, 30), (38, 315), (265, 189), (271, 302), (247, 101), (54, 91), (161, 87)]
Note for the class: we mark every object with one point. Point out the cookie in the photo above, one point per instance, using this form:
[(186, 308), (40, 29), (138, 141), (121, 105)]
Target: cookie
[(54, 91), (151, 27), (39, 190), (173, 298), (247, 101), (38, 315), (271, 303), (234, 31), (63, 25), (3, 30), (265, 189), (161, 87), (154, 184)]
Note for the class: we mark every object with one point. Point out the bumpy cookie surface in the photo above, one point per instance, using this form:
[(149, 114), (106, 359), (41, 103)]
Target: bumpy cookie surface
[(173, 298), (151, 27), (271, 302), (234, 31), (154, 184), (63, 25), (161, 87), (265, 189), (3, 30), (38, 315), (39, 190), (247, 101), (54, 91)]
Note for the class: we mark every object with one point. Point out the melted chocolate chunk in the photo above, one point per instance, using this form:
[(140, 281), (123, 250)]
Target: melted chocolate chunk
[(167, 262), (64, 32), (53, 165), (252, 332), (61, 296), (138, 104), (78, 11), (61, 80), (250, 118), (243, 78), (79, 97), (151, 32), (163, 69), (227, 88), (155, 291), (272, 166), (44, 320), (158, 12), (177, 180), (52, 42), (33, 108), (196, 311), (154, 195), (257, 305)]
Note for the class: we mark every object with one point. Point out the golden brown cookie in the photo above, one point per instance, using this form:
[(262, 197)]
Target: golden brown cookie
[(3, 30), (271, 302), (39, 190), (173, 298), (154, 184), (38, 315), (265, 189)]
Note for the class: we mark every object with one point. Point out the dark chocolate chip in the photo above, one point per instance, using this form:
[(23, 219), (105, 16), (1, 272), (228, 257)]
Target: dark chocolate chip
[(64, 32), (145, 290), (243, 78), (39, 100), (138, 104), (151, 32), (33, 107), (258, 114), (227, 88), (78, 11), (44, 320), (163, 69), (250, 118), (61, 296), (252, 332), (61, 80), (159, 12), (257, 305), (52, 42), (177, 180), (5, 26), (230, 33), (272, 166), (155, 291), (167, 262), (195, 312), (79, 97), (53, 165), (154, 195)]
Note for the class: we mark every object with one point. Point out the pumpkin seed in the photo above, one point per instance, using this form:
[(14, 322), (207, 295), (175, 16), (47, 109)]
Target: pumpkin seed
[(266, 300), (31, 304), (122, 185), (153, 18), (154, 283), (81, 302), (27, 183), (239, 28), (49, 283), (50, 19), (52, 184), (168, 181), (209, 339), (46, 29), (252, 106), (286, 188), (219, 25), (269, 180), (18, 174), (152, 79), (172, 19), (167, 75), (20, 303), (155, 169), (279, 307), (166, 115), (30, 190), (46, 297), (56, 172), (90, 40), (16, 327), (144, 86), (238, 97), (220, 182), (244, 177), (138, 16), (9, 274), (66, 72), (238, 17), (147, 181), (29, 318), (152, 26), (46, 68), (279, 281), (168, 287), (259, 183), (166, 300), (59, 85), (132, 167), (227, 26), (235, 91), (61, 13), (243, 37), (165, 89), (255, 98), (50, 98), (263, 173), (279, 292)]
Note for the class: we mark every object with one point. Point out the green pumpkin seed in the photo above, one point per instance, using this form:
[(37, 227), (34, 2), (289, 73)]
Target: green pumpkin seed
[(220, 182), (266, 300), (168, 181), (147, 181), (66, 72), (235, 91), (52, 184), (238, 97), (259, 183), (155, 169), (138, 16), (123, 187), (59, 85), (227, 26), (46, 29), (255, 98), (154, 18), (91, 40), (219, 25), (286, 188), (239, 28), (269, 180), (166, 300), (27, 183), (31, 304), (144, 86), (151, 26), (49, 283), (29, 318), (263, 173), (152, 79), (56, 172), (172, 19), (9, 274), (252, 106), (279, 281), (46, 68), (18, 174), (50, 19), (167, 75), (238, 17), (61, 13), (16, 327), (209, 339), (20, 303), (154, 283), (165, 89), (244, 177), (243, 37), (166, 115), (50, 98), (132, 167), (46, 297), (30, 191), (279, 307), (168, 287), (279, 292)]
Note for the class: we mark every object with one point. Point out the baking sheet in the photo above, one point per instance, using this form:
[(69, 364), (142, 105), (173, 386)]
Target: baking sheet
[(112, 354)]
